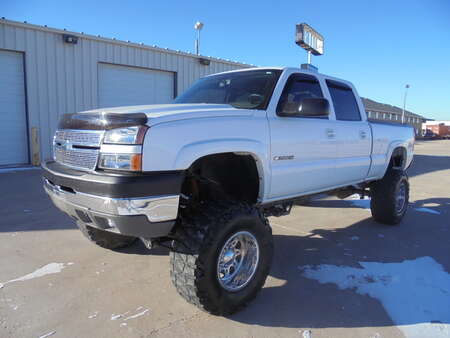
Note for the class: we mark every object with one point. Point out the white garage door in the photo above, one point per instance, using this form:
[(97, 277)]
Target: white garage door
[(13, 121), (125, 86)]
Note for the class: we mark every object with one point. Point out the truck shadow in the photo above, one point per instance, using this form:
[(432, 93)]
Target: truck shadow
[(435, 205), (424, 164), (421, 241), (26, 207)]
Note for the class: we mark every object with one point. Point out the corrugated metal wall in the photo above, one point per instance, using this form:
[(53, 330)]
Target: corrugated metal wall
[(62, 78)]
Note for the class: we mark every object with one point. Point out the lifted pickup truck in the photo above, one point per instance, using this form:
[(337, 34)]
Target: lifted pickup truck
[(202, 175)]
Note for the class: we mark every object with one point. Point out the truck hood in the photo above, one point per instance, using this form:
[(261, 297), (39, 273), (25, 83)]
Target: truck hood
[(154, 114)]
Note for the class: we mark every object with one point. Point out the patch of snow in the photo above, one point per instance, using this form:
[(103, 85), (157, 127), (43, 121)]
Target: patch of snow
[(428, 210), (415, 293), (137, 314), (360, 203), (94, 315), (123, 324), (354, 238), (45, 270), (115, 317), (307, 334), (48, 334), (124, 319)]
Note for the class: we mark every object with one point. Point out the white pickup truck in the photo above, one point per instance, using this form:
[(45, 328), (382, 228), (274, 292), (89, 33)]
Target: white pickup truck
[(202, 175)]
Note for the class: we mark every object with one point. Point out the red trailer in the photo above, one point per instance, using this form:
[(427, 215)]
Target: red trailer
[(440, 130)]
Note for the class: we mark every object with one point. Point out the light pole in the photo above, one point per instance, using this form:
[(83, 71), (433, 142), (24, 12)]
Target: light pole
[(404, 103), (198, 27)]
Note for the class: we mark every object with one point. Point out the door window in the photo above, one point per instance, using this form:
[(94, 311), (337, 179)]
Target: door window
[(298, 87), (344, 101)]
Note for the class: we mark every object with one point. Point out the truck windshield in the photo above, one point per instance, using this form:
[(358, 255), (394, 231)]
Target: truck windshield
[(250, 89)]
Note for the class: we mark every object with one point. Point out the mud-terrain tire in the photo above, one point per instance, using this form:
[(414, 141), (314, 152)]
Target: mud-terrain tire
[(390, 197), (202, 239), (105, 239)]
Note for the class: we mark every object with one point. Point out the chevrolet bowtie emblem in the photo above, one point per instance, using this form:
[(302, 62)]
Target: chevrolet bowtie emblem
[(64, 145)]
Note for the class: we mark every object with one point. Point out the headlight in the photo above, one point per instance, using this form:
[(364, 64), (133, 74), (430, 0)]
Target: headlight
[(129, 135), (131, 162), (122, 149)]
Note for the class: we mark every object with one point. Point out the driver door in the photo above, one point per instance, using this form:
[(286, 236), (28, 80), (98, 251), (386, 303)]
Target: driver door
[(303, 149)]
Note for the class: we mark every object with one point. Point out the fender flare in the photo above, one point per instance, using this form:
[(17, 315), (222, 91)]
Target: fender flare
[(392, 147), (241, 146)]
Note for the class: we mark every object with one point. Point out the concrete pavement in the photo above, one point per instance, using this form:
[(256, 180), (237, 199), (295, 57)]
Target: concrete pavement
[(57, 283)]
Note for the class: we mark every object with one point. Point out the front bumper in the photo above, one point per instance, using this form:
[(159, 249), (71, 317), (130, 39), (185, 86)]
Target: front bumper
[(147, 216)]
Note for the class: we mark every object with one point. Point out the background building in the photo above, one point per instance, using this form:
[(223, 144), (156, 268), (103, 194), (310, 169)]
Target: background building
[(46, 72), (381, 112)]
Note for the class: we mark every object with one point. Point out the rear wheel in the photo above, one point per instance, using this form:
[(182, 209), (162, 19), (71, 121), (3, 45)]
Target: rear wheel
[(390, 197), (105, 239), (222, 257)]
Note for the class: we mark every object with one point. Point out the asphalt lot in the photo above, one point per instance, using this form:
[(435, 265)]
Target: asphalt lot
[(336, 273)]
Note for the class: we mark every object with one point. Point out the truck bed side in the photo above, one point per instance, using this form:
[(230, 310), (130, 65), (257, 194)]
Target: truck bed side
[(386, 138)]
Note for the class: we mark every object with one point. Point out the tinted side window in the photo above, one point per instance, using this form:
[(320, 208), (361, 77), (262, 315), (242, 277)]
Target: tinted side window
[(344, 102), (298, 87)]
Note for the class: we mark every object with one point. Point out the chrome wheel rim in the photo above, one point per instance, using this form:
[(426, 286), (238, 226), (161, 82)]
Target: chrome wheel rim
[(238, 260), (400, 199)]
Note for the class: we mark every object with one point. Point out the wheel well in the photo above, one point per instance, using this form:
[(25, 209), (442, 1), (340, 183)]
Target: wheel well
[(398, 158), (223, 175)]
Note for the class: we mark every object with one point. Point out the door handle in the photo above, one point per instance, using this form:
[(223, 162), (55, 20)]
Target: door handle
[(330, 133), (362, 134)]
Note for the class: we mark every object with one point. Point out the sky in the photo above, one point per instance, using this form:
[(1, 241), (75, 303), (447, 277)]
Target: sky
[(380, 46)]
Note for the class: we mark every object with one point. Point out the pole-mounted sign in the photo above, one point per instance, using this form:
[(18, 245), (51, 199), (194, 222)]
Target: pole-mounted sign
[(309, 39)]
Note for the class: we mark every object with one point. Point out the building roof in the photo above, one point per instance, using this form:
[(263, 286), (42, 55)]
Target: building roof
[(45, 28), (371, 105)]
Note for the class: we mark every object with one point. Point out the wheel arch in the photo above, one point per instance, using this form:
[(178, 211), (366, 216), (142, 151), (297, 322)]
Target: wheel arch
[(398, 158), (192, 154), (239, 174)]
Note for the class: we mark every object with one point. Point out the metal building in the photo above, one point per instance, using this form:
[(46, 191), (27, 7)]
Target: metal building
[(382, 112), (46, 72)]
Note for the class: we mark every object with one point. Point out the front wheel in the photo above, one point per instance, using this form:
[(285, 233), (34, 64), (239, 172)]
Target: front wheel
[(222, 257), (390, 197)]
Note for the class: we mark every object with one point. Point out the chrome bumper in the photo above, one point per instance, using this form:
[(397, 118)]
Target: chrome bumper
[(155, 208)]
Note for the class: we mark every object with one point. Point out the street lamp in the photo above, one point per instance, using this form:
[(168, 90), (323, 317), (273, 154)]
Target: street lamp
[(198, 27), (404, 103)]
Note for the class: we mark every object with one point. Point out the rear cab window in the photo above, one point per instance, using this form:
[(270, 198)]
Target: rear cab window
[(344, 101)]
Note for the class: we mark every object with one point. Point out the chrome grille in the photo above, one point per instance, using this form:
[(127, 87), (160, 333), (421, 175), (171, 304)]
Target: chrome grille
[(86, 138), (77, 148)]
